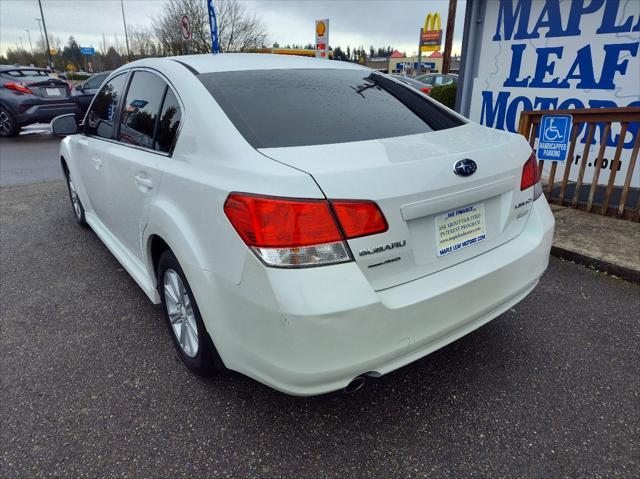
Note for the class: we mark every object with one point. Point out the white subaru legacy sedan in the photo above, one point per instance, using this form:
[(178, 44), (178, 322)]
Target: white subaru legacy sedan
[(305, 222)]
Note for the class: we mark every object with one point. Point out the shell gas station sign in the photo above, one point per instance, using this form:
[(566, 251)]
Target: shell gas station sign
[(322, 38), (431, 33)]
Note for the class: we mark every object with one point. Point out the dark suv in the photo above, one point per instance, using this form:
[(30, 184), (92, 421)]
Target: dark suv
[(31, 95)]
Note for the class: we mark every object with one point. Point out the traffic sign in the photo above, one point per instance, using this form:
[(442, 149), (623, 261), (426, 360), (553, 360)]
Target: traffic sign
[(553, 140), (87, 50), (185, 28)]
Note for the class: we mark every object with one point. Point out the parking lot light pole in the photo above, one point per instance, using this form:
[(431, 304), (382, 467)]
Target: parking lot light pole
[(30, 44), (46, 37), (126, 35)]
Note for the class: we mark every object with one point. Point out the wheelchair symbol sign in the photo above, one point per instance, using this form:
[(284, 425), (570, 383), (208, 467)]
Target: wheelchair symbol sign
[(553, 139)]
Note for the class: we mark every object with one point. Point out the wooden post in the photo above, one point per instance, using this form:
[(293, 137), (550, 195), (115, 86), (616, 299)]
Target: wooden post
[(448, 42)]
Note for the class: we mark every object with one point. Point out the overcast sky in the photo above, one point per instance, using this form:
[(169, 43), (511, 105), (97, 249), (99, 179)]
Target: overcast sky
[(352, 22)]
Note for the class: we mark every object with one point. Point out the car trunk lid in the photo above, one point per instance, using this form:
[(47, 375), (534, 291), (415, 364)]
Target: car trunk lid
[(412, 179), (50, 88)]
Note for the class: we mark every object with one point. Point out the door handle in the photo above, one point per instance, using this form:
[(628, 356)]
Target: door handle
[(144, 182)]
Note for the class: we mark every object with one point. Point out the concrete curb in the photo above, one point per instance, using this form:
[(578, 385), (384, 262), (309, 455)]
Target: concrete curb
[(623, 272)]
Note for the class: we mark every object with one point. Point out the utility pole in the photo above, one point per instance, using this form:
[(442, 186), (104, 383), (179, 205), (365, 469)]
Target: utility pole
[(30, 44), (46, 37), (21, 45), (126, 35), (418, 71), (448, 42)]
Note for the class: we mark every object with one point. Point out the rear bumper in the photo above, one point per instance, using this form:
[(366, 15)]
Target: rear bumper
[(44, 113), (311, 331)]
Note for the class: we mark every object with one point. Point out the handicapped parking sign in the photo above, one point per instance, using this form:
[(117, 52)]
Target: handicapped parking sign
[(553, 138)]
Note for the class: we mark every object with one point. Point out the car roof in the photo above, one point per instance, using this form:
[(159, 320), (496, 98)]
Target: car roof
[(222, 62)]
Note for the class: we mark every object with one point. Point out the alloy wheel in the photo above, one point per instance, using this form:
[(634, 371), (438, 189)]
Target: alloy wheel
[(5, 124), (180, 312), (75, 201)]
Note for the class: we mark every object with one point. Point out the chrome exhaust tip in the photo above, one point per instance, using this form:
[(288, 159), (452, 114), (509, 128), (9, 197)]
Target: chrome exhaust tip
[(355, 385)]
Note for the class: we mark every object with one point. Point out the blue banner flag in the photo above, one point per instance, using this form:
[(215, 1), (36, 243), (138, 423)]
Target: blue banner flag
[(213, 24)]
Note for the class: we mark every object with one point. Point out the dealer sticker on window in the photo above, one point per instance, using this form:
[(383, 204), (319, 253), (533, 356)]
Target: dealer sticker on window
[(460, 228)]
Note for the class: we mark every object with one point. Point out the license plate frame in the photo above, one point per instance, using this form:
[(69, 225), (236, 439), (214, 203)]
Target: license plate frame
[(459, 229)]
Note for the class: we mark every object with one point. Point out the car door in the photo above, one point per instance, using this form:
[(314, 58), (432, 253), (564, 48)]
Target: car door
[(99, 129), (149, 116)]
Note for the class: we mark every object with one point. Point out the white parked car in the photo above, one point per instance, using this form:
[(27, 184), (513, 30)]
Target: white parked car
[(305, 222)]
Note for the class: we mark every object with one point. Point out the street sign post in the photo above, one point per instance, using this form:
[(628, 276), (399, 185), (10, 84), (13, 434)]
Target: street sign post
[(553, 140), (185, 31), (322, 38), (86, 51), (185, 28)]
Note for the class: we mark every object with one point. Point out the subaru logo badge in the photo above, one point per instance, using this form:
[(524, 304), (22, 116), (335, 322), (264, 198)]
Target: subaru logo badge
[(465, 167)]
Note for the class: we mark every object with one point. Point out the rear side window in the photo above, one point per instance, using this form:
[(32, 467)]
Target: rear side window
[(282, 108), (169, 122), (141, 108), (101, 116)]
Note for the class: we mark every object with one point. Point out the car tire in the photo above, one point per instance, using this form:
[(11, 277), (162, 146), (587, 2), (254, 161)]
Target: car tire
[(8, 125), (188, 333), (76, 204)]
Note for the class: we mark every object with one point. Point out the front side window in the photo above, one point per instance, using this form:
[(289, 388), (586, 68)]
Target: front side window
[(101, 116), (299, 107), (141, 109)]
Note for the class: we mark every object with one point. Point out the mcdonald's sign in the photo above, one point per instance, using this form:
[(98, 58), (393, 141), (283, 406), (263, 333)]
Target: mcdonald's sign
[(431, 33)]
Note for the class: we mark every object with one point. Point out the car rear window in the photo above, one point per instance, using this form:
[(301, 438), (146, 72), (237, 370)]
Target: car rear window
[(282, 108)]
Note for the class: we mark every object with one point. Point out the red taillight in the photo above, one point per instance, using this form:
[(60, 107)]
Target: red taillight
[(359, 218), (530, 174), (21, 87), (271, 222), (425, 90), (288, 232)]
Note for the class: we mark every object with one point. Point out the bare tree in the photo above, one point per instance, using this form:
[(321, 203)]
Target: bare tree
[(142, 41), (238, 30)]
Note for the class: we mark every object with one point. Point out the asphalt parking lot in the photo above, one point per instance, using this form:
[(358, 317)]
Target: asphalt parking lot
[(91, 386)]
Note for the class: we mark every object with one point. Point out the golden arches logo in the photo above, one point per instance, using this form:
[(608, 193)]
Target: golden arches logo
[(432, 22)]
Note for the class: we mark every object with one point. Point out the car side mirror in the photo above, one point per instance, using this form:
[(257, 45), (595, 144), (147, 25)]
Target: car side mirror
[(80, 87), (64, 125)]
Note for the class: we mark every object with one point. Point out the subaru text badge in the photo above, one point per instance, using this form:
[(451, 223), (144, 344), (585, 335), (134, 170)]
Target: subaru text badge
[(465, 167)]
